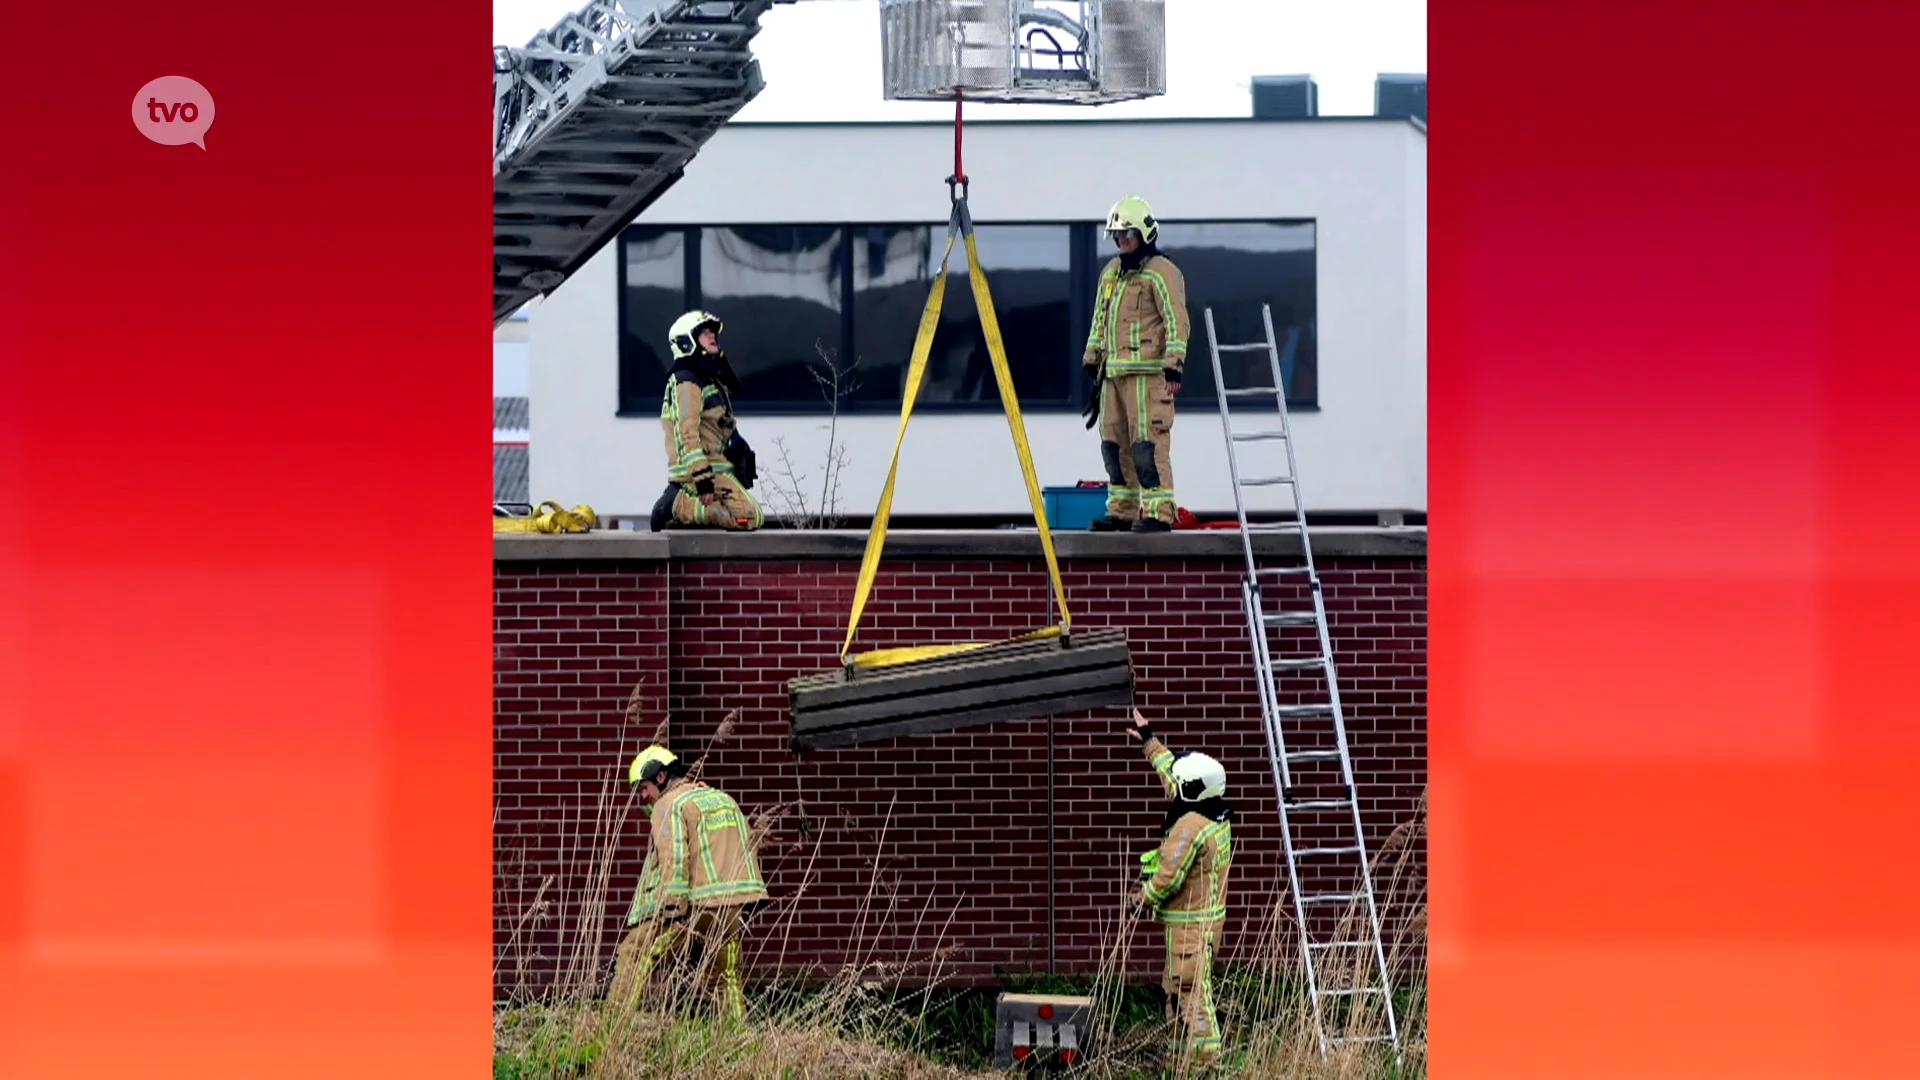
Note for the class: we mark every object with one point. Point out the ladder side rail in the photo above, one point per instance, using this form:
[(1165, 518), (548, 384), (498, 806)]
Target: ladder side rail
[(1350, 779), (1286, 430), (1233, 466)]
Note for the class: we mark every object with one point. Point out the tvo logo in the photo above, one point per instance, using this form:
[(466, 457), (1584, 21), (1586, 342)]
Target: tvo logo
[(174, 110)]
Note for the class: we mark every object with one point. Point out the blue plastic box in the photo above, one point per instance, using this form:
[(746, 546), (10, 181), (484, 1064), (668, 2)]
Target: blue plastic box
[(1074, 507)]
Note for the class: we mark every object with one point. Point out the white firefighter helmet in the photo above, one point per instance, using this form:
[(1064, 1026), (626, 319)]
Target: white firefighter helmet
[(1197, 777), (682, 336)]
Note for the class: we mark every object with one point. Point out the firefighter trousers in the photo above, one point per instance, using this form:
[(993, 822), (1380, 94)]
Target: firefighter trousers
[(734, 507), (699, 955), (1194, 1024), (1136, 436)]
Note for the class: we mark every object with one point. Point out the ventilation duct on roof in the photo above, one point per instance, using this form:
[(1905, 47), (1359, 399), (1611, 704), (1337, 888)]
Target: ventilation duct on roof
[(1285, 97), (1401, 96)]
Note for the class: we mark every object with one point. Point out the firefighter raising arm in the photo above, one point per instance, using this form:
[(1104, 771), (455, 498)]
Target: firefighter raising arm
[(1183, 886)]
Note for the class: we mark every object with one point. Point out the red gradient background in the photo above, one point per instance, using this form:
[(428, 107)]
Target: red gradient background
[(1673, 589), (244, 657), (244, 640)]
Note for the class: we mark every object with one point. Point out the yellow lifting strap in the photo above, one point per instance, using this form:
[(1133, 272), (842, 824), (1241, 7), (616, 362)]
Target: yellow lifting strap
[(960, 223), (550, 518)]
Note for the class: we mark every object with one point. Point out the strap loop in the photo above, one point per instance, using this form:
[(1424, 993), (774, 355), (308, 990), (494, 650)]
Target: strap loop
[(959, 224)]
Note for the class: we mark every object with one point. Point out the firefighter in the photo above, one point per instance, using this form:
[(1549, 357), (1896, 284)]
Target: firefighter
[(710, 468), (1183, 883), (1136, 352), (699, 882)]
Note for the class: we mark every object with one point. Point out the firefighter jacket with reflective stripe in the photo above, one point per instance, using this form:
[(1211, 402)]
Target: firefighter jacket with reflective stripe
[(1185, 880), (698, 420), (701, 855), (1140, 322)]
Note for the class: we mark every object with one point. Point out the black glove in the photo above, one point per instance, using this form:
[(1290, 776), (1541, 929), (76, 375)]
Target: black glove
[(1172, 377), (1092, 411), (703, 486), (745, 465)]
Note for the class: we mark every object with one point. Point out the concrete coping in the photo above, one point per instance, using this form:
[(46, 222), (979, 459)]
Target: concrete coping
[(849, 545)]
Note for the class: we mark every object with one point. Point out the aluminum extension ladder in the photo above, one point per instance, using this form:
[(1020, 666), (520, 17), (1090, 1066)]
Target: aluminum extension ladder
[(1310, 813)]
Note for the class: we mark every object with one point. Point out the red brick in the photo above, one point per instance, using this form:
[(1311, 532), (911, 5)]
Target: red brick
[(947, 816)]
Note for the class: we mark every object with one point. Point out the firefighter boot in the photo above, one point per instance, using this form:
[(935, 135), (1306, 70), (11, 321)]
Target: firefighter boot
[(662, 515)]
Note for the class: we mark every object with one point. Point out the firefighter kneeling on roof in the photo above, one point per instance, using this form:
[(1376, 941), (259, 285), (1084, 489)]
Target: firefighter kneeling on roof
[(1184, 884), (1135, 355), (699, 882), (710, 468)]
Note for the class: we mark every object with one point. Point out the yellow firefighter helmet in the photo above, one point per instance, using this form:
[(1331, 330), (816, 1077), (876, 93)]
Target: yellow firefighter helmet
[(650, 763), (1133, 213)]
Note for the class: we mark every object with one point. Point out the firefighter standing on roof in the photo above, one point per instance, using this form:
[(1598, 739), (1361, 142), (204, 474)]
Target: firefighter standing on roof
[(699, 880), (1184, 885), (710, 468), (1135, 355)]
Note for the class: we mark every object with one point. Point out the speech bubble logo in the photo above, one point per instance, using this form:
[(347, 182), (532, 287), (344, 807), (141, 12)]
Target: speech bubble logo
[(174, 110)]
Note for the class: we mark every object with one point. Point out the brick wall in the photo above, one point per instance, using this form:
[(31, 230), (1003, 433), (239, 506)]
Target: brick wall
[(924, 849)]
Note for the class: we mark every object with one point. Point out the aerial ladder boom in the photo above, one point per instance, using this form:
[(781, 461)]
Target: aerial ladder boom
[(596, 117), (599, 115)]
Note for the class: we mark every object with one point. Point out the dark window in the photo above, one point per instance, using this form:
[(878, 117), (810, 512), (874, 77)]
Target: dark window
[(858, 291), (779, 289), (1234, 267), (654, 287), (1027, 269)]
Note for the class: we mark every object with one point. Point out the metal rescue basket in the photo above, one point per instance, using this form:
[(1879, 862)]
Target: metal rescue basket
[(1035, 52)]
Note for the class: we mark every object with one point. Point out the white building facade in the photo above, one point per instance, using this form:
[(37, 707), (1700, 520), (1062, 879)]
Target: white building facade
[(812, 238)]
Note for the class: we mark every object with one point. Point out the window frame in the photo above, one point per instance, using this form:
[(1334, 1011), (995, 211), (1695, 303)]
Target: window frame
[(1085, 258)]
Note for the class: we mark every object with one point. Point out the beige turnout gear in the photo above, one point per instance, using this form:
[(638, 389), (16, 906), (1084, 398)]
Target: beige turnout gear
[(1138, 340), (701, 953), (697, 420), (700, 873), (701, 855), (1184, 882), (1139, 318), (1136, 435)]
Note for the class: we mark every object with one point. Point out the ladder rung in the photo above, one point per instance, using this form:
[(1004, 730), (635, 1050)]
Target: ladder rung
[(1279, 569), (1307, 710), (1304, 852), (1320, 804), (1330, 898), (1360, 1038), (1276, 526), (1352, 992), (1312, 755), (1251, 391), (1339, 944), (1266, 481), (1290, 618), (1300, 664), (1258, 436), (1248, 347)]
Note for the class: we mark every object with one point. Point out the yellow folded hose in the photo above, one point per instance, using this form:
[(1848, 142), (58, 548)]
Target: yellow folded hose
[(549, 517)]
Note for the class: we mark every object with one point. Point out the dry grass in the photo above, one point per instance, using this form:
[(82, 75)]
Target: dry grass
[(857, 1021)]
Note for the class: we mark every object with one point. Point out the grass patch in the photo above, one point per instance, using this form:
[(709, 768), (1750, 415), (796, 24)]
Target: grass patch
[(874, 1019)]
